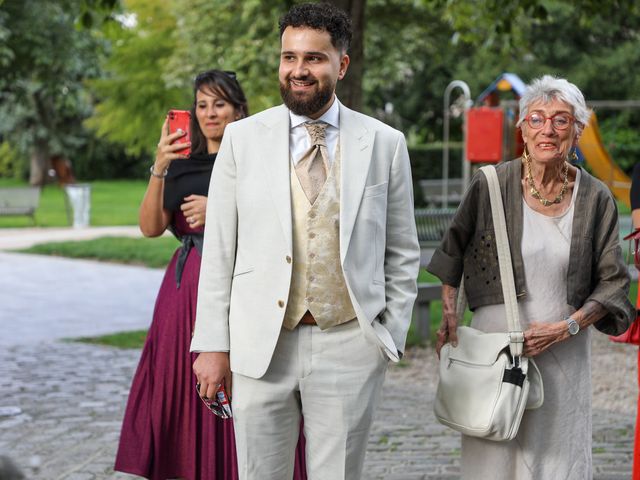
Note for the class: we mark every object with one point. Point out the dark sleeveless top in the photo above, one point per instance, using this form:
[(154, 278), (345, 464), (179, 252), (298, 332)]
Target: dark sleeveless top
[(186, 177)]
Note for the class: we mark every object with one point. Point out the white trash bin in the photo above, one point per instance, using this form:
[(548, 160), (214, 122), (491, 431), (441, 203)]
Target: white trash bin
[(79, 195)]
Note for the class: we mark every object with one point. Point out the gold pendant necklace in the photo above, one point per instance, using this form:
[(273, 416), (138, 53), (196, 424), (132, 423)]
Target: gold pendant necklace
[(534, 191)]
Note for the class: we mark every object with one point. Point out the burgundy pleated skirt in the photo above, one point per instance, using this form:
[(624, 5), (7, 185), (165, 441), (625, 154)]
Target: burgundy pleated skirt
[(167, 432)]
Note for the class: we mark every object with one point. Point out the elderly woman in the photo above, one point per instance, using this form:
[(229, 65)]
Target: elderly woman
[(569, 274)]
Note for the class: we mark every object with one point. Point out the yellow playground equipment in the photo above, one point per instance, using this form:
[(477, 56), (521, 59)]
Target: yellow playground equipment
[(596, 156)]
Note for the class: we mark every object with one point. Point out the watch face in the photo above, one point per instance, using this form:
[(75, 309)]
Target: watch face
[(573, 327)]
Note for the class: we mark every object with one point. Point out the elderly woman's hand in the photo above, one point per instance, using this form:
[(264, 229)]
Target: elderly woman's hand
[(541, 336), (448, 327)]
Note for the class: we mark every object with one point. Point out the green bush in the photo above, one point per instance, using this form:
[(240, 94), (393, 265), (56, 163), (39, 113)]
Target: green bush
[(12, 163), (100, 160), (620, 138)]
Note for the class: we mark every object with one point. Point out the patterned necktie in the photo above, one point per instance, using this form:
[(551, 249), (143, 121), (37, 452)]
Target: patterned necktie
[(313, 167)]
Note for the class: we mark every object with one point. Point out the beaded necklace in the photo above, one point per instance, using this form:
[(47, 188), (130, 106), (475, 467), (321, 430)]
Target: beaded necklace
[(535, 193)]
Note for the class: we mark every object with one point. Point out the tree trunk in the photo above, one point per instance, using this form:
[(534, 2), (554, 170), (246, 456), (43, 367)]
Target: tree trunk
[(39, 164), (350, 88)]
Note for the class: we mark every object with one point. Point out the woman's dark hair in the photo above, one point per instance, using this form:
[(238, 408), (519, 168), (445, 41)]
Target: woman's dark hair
[(320, 16), (226, 86)]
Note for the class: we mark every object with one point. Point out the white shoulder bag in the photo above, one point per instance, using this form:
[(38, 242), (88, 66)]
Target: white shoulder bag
[(485, 382)]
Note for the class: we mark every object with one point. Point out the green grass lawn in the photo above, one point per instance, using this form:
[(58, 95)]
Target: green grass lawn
[(149, 252), (132, 339), (113, 202)]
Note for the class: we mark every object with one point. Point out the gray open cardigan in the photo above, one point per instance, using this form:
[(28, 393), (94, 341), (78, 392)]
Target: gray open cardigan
[(596, 267)]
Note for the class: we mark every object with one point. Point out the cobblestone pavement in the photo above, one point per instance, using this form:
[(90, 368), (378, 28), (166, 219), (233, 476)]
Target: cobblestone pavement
[(71, 400)]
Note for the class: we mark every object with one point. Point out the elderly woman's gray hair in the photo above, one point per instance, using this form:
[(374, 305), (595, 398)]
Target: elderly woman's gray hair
[(547, 89)]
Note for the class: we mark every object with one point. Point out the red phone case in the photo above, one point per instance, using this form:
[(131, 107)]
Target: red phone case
[(181, 119)]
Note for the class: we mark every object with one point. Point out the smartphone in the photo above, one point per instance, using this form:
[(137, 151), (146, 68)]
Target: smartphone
[(181, 119)]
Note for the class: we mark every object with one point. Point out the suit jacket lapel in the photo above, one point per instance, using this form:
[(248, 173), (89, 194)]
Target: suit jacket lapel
[(277, 166), (356, 147)]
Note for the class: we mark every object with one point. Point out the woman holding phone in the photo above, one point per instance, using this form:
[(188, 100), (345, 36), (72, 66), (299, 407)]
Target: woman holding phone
[(167, 431)]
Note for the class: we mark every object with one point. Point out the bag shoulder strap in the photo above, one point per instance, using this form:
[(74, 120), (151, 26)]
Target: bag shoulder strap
[(516, 336)]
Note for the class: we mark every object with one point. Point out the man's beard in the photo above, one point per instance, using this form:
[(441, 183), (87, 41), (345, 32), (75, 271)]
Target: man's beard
[(304, 105)]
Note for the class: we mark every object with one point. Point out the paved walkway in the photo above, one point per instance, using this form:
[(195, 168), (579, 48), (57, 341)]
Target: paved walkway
[(44, 298), (18, 238), (61, 403)]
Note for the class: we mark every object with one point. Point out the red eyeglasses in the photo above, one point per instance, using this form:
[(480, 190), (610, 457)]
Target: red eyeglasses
[(559, 121)]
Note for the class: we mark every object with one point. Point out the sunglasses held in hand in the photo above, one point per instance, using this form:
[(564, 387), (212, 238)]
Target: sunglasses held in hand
[(220, 405)]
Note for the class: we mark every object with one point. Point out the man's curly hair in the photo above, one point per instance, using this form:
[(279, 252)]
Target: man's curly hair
[(320, 16)]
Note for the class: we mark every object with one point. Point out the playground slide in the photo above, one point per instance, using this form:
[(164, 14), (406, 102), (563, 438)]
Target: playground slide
[(601, 164)]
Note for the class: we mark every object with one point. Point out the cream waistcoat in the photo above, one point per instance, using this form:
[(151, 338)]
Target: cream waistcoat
[(317, 282)]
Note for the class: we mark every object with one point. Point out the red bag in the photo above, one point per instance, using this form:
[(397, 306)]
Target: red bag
[(634, 241), (632, 335)]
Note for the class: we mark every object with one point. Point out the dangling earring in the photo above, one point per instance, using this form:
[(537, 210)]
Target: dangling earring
[(574, 157), (525, 154)]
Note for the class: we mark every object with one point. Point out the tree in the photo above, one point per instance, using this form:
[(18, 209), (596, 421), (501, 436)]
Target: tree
[(243, 36), (153, 62), (350, 88), (45, 60), (410, 51), (414, 49), (139, 86), (231, 35)]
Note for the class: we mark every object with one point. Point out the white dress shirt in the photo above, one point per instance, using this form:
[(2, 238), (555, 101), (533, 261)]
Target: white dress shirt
[(299, 141)]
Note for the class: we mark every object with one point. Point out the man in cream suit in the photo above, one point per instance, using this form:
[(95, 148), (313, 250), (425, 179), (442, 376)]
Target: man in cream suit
[(309, 265)]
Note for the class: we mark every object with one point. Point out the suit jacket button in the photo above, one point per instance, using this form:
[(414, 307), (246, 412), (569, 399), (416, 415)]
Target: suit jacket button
[(288, 258), (281, 303)]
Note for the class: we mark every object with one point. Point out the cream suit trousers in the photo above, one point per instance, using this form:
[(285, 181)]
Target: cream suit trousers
[(334, 379)]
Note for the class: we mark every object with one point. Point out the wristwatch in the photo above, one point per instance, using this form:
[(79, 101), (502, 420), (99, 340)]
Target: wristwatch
[(572, 325)]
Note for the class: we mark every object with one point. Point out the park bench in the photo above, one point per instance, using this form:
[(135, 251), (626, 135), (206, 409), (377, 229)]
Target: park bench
[(431, 224), (427, 292), (432, 192), (19, 201)]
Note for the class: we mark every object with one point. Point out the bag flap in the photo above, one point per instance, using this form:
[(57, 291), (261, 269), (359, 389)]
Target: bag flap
[(478, 347)]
